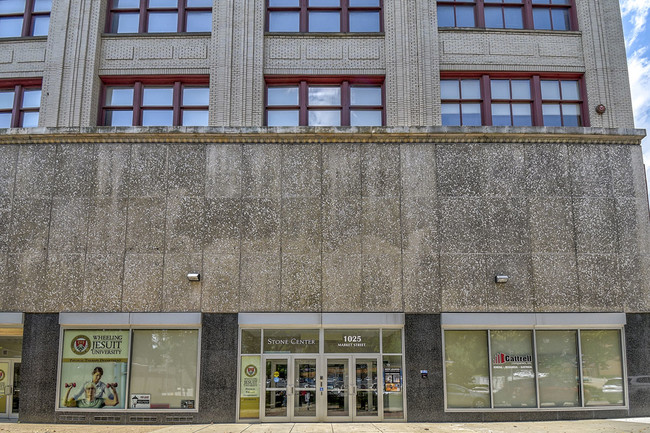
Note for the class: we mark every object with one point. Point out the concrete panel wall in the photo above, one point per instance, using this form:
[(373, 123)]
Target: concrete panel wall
[(327, 226)]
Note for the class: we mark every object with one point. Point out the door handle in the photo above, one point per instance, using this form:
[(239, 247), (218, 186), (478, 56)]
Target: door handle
[(290, 389)]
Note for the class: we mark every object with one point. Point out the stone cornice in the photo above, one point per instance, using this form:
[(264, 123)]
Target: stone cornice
[(261, 135)]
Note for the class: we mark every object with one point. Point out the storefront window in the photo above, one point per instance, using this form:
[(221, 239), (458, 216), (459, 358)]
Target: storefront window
[(93, 369), (602, 367), (513, 372), (467, 369), (249, 402), (156, 353), (351, 341), (557, 362), (391, 340), (251, 340), (393, 387)]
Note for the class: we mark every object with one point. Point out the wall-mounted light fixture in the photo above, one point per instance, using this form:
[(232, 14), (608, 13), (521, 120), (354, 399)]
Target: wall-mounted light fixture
[(500, 279), (194, 276)]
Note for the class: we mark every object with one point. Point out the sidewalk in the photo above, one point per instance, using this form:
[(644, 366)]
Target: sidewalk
[(634, 425)]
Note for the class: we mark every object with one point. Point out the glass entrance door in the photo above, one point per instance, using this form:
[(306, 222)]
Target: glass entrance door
[(9, 388), (290, 389), (352, 384)]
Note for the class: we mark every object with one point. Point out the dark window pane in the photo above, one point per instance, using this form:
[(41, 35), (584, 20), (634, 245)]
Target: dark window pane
[(541, 19), (364, 21), (125, 22), (195, 117), (6, 99), (283, 118), (12, 6), (560, 19), (42, 5), (196, 96), (282, 96), (324, 95), (365, 96), (551, 115), (5, 120), (493, 17), (31, 98), (365, 118), (40, 25), (30, 119), (324, 22), (571, 115), (465, 16), (546, 2), (199, 22), (550, 89), (449, 89), (451, 114), (11, 27), (514, 18), (158, 96), (446, 16), (157, 117), (119, 96), (501, 115), (471, 114), (521, 115), (162, 22), (118, 118), (284, 21), (324, 118)]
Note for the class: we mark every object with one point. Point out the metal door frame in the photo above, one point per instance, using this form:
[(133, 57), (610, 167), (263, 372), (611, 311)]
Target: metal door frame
[(10, 397)]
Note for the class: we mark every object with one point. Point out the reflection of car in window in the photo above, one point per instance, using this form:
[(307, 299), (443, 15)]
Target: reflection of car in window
[(613, 390), (459, 396)]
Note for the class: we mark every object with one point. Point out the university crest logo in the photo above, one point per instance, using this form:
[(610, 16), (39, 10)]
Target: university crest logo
[(2, 375), (250, 370), (80, 345)]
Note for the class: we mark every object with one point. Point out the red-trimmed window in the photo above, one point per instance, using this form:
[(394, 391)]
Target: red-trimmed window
[(24, 18), (324, 16), (159, 16), (521, 100), (155, 102), (508, 14), (20, 104), (357, 101)]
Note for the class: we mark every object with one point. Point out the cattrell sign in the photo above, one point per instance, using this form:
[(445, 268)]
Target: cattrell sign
[(502, 358)]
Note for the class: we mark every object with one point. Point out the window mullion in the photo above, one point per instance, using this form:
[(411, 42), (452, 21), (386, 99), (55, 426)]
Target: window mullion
[(137, 103), (181, 16), (18, 102), (176, 98), (479, 14), (345, 19), (143, 16), (528, 14), (538, 119), (304, 16), (486, 100), (345, 103), (27, 18), (303, 100)]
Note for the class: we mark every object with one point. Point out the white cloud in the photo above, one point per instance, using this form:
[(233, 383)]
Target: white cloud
[(636, 11)]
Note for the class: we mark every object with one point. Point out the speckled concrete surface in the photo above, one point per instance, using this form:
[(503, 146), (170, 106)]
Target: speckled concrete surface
[(632, 425)]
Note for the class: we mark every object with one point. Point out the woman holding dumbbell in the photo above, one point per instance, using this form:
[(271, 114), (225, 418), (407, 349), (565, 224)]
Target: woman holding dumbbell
[(100, 386)]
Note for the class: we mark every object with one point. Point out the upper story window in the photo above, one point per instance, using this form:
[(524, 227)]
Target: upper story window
[(155, 102), (324, 16), (160, 16), (508, 14), (325, 102), (20, 104), (24, 18), (499, 100)]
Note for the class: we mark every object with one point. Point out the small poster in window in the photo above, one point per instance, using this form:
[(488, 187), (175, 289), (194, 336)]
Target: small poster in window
[(141, 401), (187, 404)]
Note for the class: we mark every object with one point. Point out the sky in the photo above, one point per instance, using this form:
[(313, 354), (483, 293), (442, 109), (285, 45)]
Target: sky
[(637, 42)]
